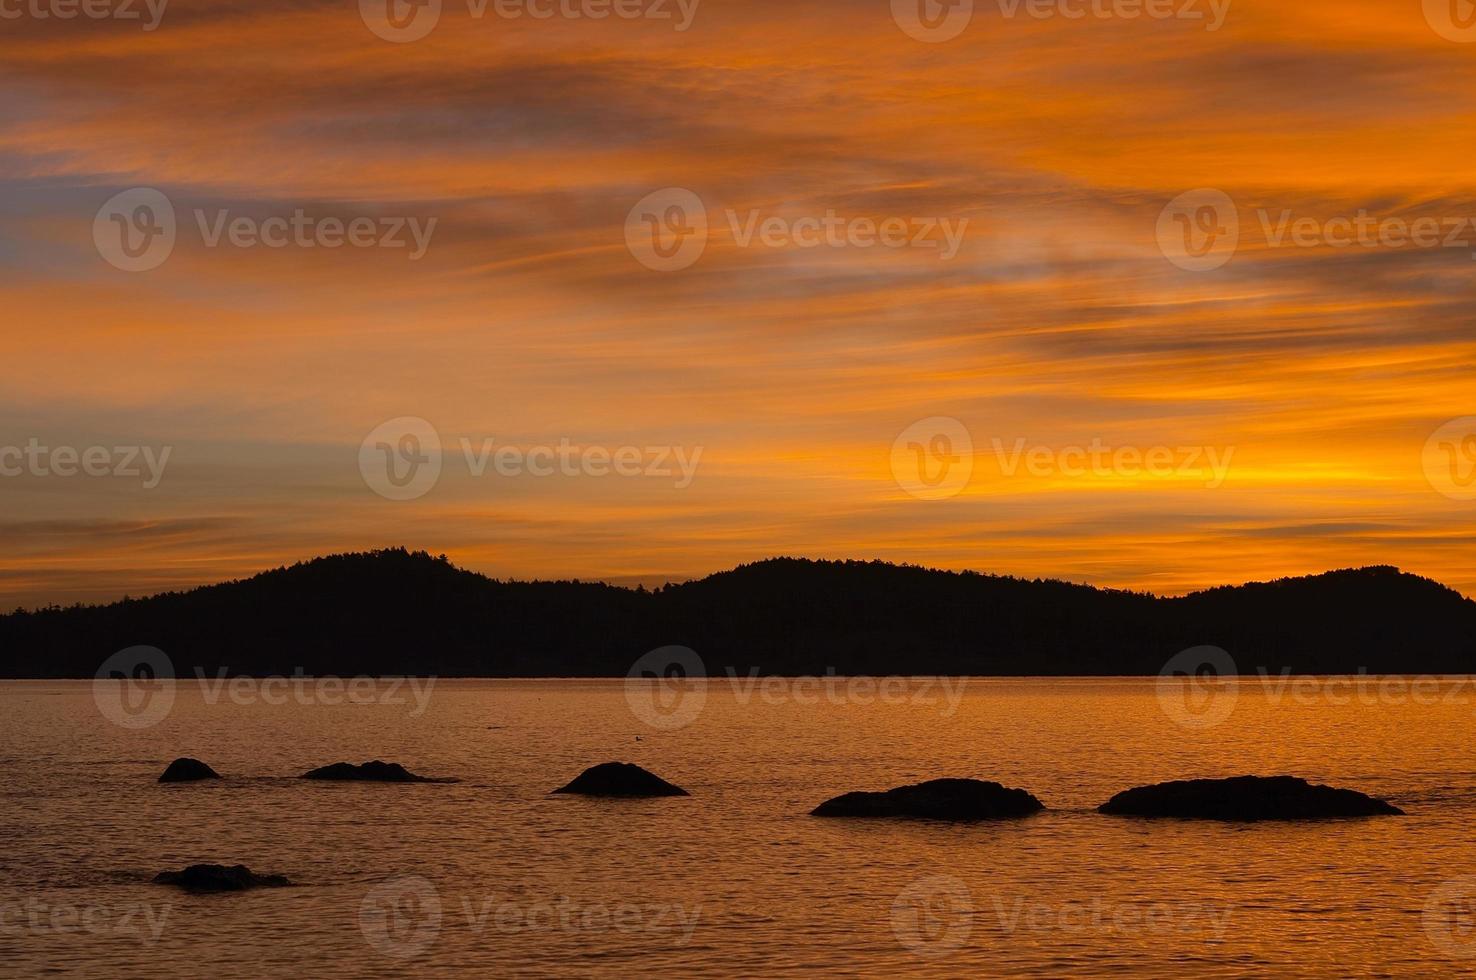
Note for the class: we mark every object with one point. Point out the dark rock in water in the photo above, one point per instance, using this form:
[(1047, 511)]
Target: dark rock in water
[(937, 799), (218, 878), (620, 779), (369, 772), (1245, 798), (187, 771)]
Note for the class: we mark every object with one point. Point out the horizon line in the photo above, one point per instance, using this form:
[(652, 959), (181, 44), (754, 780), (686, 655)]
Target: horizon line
[(640, 583)]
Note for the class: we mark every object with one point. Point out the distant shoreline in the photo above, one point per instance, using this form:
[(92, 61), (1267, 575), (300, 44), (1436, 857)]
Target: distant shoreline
[(400, 613)]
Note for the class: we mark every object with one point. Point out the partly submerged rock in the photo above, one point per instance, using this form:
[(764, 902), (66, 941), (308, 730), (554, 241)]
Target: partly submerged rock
[(187, 771), (620, 779), (218, 878), (369, 772), (938, 799), (1246, 798)]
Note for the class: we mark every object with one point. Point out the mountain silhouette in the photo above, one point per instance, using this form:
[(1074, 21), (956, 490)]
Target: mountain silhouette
[(400, 612)]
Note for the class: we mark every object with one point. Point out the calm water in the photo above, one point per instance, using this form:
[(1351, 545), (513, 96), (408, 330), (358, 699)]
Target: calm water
[(493, 877)]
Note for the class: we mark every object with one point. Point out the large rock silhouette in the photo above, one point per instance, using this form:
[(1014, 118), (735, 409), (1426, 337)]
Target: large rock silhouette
[(218, 878), (620, 779), (369, 772), (187, 771), (937, 799), (1246, 798)]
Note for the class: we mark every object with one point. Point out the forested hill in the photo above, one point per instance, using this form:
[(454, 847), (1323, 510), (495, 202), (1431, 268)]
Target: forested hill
[(402, 612)]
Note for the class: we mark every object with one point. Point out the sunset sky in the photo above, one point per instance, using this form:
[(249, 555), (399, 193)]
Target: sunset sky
[(1320, 372)]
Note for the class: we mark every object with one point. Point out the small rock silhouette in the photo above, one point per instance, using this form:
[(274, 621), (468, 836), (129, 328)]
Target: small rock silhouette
[(218, 878), (1246, 798), (620, 779), (187, 771), (937, 799), (369, 772)]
